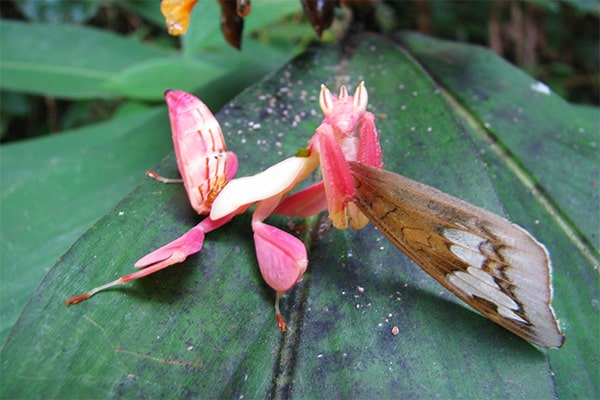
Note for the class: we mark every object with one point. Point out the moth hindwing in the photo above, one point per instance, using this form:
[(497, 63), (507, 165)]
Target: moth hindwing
[(495, 266)]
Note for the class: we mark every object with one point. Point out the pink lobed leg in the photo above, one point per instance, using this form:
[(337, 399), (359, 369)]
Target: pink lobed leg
[(172, 253), (307, 202), (338, 181), (369, 148)]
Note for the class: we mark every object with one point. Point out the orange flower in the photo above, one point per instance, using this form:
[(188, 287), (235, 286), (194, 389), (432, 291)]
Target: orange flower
[(177, 14)]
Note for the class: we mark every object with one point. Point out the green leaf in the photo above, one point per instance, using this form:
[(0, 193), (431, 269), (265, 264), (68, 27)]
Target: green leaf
[(65, 60), (147, 9), (204, 29), (205, 328), (55, 188), (268, 12), (149, 80), (35, 59)]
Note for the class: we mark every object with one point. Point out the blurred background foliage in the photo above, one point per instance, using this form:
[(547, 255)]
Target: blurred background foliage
[(557, 42)]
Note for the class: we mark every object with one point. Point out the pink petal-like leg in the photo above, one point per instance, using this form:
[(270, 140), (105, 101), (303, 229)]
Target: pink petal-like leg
[(282, 257), (204, 163), (339, 185), (369, 152), (231, 166), (189, 243), (306, 202), (175, 252), (369, 148)]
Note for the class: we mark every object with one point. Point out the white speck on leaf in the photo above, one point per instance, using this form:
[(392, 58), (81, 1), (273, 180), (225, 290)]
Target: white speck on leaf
[(540, 88)]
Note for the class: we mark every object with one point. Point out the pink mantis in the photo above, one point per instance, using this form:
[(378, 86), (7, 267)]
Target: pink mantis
[(493, 265), (347, 133)]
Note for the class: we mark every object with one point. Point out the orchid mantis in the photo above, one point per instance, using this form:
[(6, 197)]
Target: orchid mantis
[(347, 133), (493, 265)]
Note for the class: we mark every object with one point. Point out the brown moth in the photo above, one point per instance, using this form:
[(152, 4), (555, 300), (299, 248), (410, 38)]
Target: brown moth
[(493, 265)]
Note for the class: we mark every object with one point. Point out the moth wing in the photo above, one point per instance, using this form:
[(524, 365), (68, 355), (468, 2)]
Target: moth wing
[(495, 266)]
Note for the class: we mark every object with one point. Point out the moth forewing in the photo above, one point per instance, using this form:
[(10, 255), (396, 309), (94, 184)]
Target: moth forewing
[(493, 265)]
